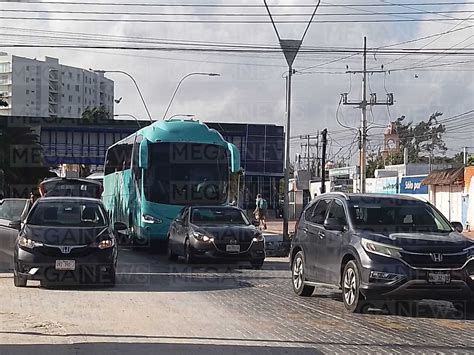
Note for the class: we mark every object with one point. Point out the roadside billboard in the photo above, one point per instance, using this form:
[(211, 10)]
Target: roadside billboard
[(412, 185), (388, 185)]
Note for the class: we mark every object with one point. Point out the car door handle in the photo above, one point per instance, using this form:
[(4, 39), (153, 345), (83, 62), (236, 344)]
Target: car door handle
[(322, 235)]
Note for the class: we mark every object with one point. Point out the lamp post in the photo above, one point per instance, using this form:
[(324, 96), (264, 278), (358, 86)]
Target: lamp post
[(179, 84), (129, 115), (134, 81)]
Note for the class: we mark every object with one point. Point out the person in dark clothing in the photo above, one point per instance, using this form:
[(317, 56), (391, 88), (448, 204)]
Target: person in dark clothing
[(34, 195)]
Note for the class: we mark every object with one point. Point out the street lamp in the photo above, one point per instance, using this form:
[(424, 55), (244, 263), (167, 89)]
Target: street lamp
[(179, 84), (128, 115), (134, 81)]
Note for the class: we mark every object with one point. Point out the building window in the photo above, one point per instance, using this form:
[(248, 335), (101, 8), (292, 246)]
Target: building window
[(79, 111), (27, 92), (79, 100), (27, 79), (62, 95), (27, 68), (70, 75), (78, 77), (77, 88), (32, 102), (70, 98), (68, 87), (90, 91), (69, 109)]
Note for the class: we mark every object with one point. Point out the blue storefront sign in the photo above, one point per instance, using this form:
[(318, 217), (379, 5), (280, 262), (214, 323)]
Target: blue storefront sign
[(412, 185)]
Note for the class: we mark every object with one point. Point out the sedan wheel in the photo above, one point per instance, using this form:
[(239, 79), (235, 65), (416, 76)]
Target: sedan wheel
[(171, 255), (353, 300), (298, 278), (188, 254)]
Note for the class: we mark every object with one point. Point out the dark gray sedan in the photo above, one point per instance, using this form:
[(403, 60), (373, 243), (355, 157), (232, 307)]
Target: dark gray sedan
[(215, 232)]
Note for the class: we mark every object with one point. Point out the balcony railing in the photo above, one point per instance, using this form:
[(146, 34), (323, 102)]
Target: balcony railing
[(53, 87)]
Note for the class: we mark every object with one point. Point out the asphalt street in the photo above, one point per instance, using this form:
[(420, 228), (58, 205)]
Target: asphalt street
[(173, 308)]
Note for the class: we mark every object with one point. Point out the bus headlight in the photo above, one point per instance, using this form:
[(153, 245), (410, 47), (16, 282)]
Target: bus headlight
[(147, 218)]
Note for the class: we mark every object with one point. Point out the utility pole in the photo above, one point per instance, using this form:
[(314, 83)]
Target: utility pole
[(363, 106), (324, 141), (307, 146), (465, 156)]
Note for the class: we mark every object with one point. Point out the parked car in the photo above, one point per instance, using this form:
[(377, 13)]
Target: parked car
[(73, 187), (215, 232), (381, 248), (66, 240), (10, 211)]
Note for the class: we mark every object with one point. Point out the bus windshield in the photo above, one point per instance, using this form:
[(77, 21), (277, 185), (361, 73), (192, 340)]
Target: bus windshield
[(187, 173)]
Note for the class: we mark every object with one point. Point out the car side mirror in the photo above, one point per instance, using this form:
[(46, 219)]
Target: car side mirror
[(179, 220), (458, 227), (333, 224), (15, 225), (255, 223), (119, 226)]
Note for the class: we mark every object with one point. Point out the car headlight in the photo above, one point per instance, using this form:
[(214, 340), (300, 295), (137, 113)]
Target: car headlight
[(381, 249), (258, 237), (202, 237), (28, 243), (106, 243), (147, 218)]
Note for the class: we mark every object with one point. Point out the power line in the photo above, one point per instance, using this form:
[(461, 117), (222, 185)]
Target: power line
[(233, 5), (74, 19), (220, 14)]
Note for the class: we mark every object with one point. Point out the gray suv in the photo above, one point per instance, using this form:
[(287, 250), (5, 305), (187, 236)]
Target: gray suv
[(381, 248)]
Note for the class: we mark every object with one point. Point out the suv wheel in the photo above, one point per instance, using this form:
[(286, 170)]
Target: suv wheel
[(353, 300), (298, 278)]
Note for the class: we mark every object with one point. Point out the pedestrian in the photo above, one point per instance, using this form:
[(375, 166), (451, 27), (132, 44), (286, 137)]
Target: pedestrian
[(34, 195), (261, 211)]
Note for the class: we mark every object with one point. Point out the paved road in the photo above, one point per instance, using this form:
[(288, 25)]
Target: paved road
[(170, 308)]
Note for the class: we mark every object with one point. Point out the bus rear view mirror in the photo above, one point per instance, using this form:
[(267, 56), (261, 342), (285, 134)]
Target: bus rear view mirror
[(143, 156)]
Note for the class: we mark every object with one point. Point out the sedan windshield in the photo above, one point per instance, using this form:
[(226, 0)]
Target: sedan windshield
[(202, 216), (11, 209), (67, 214), (386, 214)]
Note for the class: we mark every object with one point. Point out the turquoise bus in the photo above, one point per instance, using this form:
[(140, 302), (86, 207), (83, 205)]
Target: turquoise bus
[(152, 174)]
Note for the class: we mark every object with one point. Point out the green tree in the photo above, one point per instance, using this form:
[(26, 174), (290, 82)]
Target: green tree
[(422, 140), (95, 114), (20, 174)]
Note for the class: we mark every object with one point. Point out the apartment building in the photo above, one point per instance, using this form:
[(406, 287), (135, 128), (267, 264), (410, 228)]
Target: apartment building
[(48, 89)]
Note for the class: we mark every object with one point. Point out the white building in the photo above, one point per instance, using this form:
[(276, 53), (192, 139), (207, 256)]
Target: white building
[(48, 89)]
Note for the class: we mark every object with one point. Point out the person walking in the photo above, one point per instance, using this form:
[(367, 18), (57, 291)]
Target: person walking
[(261, 211)]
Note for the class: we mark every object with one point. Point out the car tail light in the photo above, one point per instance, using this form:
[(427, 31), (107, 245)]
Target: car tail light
[(42, 190)]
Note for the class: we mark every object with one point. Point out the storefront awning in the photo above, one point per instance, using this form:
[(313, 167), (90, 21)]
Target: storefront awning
[(453, 176)]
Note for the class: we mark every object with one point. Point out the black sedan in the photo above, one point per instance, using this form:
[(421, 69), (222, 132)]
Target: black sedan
[(66, 240), (215, 232)]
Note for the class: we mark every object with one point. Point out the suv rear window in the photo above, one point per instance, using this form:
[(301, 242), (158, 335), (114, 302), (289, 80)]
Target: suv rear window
[(72, 188)]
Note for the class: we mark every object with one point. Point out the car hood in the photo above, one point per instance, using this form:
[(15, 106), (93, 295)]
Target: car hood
[(452, 242), (63, 235), (240, 233)]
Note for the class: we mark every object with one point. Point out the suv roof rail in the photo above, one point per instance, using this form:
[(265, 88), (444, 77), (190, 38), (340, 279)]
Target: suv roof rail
[(342, 194)]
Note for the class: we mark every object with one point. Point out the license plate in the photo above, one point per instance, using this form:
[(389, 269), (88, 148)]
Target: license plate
[(232, 248), (65, 264), (440, 277)]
